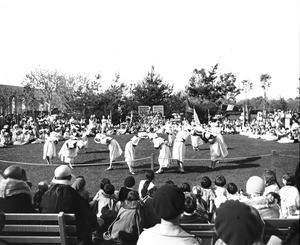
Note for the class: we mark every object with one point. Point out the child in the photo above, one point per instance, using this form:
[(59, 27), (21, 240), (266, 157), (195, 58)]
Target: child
[(289, 194), (232, 192), (220, 190), (37, 198)]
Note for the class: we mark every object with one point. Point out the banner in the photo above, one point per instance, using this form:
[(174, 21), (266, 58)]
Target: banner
[(196, 118)]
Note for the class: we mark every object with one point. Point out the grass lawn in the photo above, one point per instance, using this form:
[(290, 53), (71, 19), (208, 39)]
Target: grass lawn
[(246, 157)]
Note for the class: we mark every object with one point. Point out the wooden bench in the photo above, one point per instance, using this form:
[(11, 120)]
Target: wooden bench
[(205, 231), (36, 228), (277, 227)]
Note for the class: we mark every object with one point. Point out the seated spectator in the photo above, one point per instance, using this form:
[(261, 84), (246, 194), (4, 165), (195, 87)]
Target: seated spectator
[(37, 198), (168, 204), (190, 214), (15, 193), (220, 190), (79, 185), (127, 227), (94, 202), (255, 187), (208, 195), (271, 183), (108, 210), (272, 209), (201, 204), (289, 194), (238, 223), (61, 197), (150, 218), (232, 192), (146, 184), (185, 187), (129, 182)]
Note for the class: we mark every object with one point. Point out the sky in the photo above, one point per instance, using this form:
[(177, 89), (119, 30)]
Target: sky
[(247, 38)]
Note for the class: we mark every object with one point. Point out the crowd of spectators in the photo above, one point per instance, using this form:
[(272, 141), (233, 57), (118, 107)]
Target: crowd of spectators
[(279, 126), (150, 212)]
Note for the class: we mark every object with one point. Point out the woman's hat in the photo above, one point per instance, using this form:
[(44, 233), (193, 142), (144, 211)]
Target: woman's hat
[(255, 186), (63, 176), (238, 223), (168, 201)]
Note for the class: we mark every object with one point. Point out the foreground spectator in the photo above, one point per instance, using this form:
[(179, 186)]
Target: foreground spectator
[(37, 198), (168, 204), (79, 185), (289, 194), (61, 197), (271, 183), (127, 227), (237, 223), (15, 193)]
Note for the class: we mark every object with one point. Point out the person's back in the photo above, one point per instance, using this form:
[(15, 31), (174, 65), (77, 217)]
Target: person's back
[(168, 204), (15, 194), (61, 197)]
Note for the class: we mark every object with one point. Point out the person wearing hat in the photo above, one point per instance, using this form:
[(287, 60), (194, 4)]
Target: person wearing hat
[(15, 193), (168, 205), (61, 197), (129, 152), (164, 156), (238, 223)]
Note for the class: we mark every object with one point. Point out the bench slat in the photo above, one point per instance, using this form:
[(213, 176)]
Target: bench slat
[(32, 240), (42, 217), (37, 228)]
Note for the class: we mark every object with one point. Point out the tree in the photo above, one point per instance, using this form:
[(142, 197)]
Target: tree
[(50, 83), (152, 90), (265, 84), (208, 91)]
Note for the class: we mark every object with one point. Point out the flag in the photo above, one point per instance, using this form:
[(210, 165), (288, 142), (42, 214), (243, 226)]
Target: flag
[(196, 118)]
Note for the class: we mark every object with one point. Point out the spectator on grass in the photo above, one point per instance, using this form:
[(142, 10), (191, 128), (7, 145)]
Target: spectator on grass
[(190, 214), (37, 198), (238, 223), (146, 184), (271, 183), (232, 192), (185, 187), (220, 190), (289, 194), (94, 202), (201, 204), (129, 182), (168, 204), (79, 185), (208, 195), (127, 227), (15, 193), (61, 197)]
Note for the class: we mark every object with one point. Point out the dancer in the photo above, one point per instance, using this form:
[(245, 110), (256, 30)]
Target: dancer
[(130, 148), (218, 148), (164, 153), (113, 146), (195, 138), (179, 148), (69, 151), (49, 150)]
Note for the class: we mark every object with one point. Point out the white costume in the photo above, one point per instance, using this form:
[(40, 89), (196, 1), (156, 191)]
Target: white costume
[(164, 153), (218, 149), (179, 147), (130, 152), (114, 149), (69, 151), (49, 147)]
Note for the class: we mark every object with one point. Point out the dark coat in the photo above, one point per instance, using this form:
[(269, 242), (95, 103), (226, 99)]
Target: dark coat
[(18, 203), (63, 198)]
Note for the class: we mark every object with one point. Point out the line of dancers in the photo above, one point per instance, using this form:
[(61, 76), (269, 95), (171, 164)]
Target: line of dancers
[(172, 148)]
